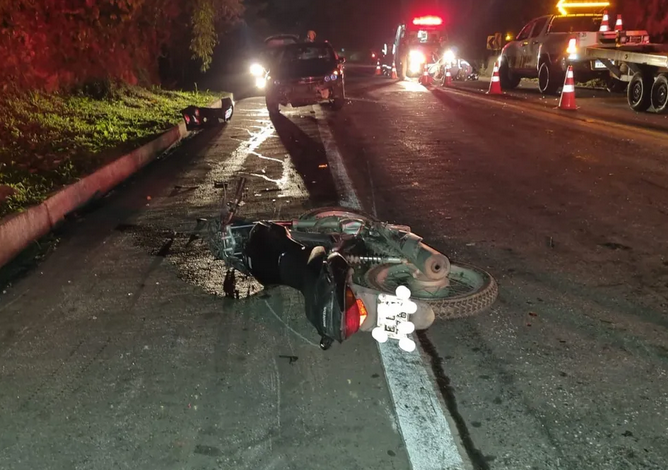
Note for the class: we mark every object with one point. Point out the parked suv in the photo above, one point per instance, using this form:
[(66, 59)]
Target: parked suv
[(304, 74), (547, 46)]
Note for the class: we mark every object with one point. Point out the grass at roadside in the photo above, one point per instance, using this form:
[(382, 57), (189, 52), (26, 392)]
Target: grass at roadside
[(50, 140)]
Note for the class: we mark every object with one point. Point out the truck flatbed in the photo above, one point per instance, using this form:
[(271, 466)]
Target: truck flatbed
[(654, 55), (643, 66)]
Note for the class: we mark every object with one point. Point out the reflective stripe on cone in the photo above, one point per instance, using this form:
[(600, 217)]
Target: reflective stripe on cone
[(495, 83), (567, 100), (605, 24)]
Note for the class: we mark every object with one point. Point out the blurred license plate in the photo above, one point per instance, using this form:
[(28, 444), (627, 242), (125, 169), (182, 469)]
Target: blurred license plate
[(599, 65)]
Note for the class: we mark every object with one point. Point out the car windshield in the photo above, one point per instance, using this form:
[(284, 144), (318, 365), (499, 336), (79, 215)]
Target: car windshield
[(280, 41), (576, 24), (423, 37), (303, 52)]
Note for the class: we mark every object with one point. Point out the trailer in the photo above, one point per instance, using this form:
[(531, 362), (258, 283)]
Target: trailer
[(643, 66)]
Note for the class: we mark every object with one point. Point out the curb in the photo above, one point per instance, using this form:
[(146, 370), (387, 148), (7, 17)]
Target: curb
[(18, 231)]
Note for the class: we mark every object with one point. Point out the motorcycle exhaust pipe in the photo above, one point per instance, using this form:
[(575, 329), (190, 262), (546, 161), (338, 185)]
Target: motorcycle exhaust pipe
[(434, 265)]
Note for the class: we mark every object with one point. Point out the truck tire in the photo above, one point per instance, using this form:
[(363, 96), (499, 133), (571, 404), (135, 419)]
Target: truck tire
[(660, 94), (508, 80), (639, 94), (549, 79)]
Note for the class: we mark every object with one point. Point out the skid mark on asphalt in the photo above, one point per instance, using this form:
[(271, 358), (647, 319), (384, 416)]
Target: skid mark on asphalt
[(273, 312), (235, 163), (429, 441)]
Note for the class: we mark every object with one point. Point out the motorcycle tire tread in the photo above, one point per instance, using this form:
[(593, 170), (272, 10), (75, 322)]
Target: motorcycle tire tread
[(447, 309), (467, 306), (311, 214)]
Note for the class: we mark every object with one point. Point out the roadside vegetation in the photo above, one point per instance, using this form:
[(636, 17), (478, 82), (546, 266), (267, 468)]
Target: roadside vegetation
[(48, 140)]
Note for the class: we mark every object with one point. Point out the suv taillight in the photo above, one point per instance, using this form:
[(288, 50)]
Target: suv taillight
[(572, 49)]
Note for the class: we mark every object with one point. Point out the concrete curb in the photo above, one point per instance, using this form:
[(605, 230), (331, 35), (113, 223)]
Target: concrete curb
[(18, 231)]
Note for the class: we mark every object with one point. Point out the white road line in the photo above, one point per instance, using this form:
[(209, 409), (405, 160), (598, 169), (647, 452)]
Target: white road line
[(344, 187), (424, 427)]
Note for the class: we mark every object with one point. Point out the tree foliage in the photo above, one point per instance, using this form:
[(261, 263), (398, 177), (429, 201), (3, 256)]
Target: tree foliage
[(56, 43), (651, 15)]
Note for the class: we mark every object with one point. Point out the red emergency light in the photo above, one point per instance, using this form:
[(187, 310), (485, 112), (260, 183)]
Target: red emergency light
[(428, 21)]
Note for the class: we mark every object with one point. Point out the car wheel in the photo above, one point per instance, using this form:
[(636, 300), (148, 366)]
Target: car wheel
[(639, 93), (509, 81), (338, 97), (660, 94), (549, 80), (272, 106)]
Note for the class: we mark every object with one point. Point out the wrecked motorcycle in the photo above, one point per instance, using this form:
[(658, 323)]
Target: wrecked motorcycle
[(356, 273)]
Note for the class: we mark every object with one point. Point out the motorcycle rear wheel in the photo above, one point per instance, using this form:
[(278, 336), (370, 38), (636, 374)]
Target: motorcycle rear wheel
[(470, 290)]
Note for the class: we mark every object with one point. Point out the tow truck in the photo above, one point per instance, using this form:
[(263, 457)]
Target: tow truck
[(418, 43)]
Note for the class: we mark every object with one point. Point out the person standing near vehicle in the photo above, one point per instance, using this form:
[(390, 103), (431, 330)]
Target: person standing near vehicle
[(310, 36)]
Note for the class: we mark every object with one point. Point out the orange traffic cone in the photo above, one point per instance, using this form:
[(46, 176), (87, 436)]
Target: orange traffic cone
[(495, 84), (426, 78), (448, 78), (619, 25), (605, 24), (394, 70), (567, 100), (378, 72)]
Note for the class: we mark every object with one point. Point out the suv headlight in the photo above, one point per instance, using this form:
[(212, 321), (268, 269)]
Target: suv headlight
[(332, 77), (257, 70)]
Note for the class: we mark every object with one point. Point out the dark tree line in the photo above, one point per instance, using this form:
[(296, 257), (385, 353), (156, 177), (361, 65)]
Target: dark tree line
[(54, 44)]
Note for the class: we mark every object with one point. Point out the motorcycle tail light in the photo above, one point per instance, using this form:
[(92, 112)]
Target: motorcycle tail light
[(356, 313)]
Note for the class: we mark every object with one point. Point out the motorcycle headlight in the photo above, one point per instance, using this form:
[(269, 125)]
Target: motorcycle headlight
[(257, 70), (260, 82)]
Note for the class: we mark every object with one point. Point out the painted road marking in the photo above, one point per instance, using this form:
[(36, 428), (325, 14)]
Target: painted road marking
[(424, 427)]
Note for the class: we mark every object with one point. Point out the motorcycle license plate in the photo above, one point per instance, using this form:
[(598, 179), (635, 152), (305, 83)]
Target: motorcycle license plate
[(393, 321)]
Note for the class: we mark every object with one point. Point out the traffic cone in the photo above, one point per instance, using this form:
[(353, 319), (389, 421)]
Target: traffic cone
[(567, 100), (426, 78), (605, 24), (495, 84), (619, 25), (394, 71), (448, 78), (378, 72)]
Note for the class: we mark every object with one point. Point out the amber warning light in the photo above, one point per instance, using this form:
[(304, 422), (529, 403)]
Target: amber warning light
[(566, 7), (428, 21)]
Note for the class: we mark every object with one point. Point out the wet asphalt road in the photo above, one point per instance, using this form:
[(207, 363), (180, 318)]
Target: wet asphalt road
[(117, 350)]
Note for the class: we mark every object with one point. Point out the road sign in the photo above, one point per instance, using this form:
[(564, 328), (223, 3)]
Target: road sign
[(495, 42), (565, 5)]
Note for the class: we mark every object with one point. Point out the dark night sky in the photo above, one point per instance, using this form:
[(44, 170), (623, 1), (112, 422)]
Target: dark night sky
[(368, 23)]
